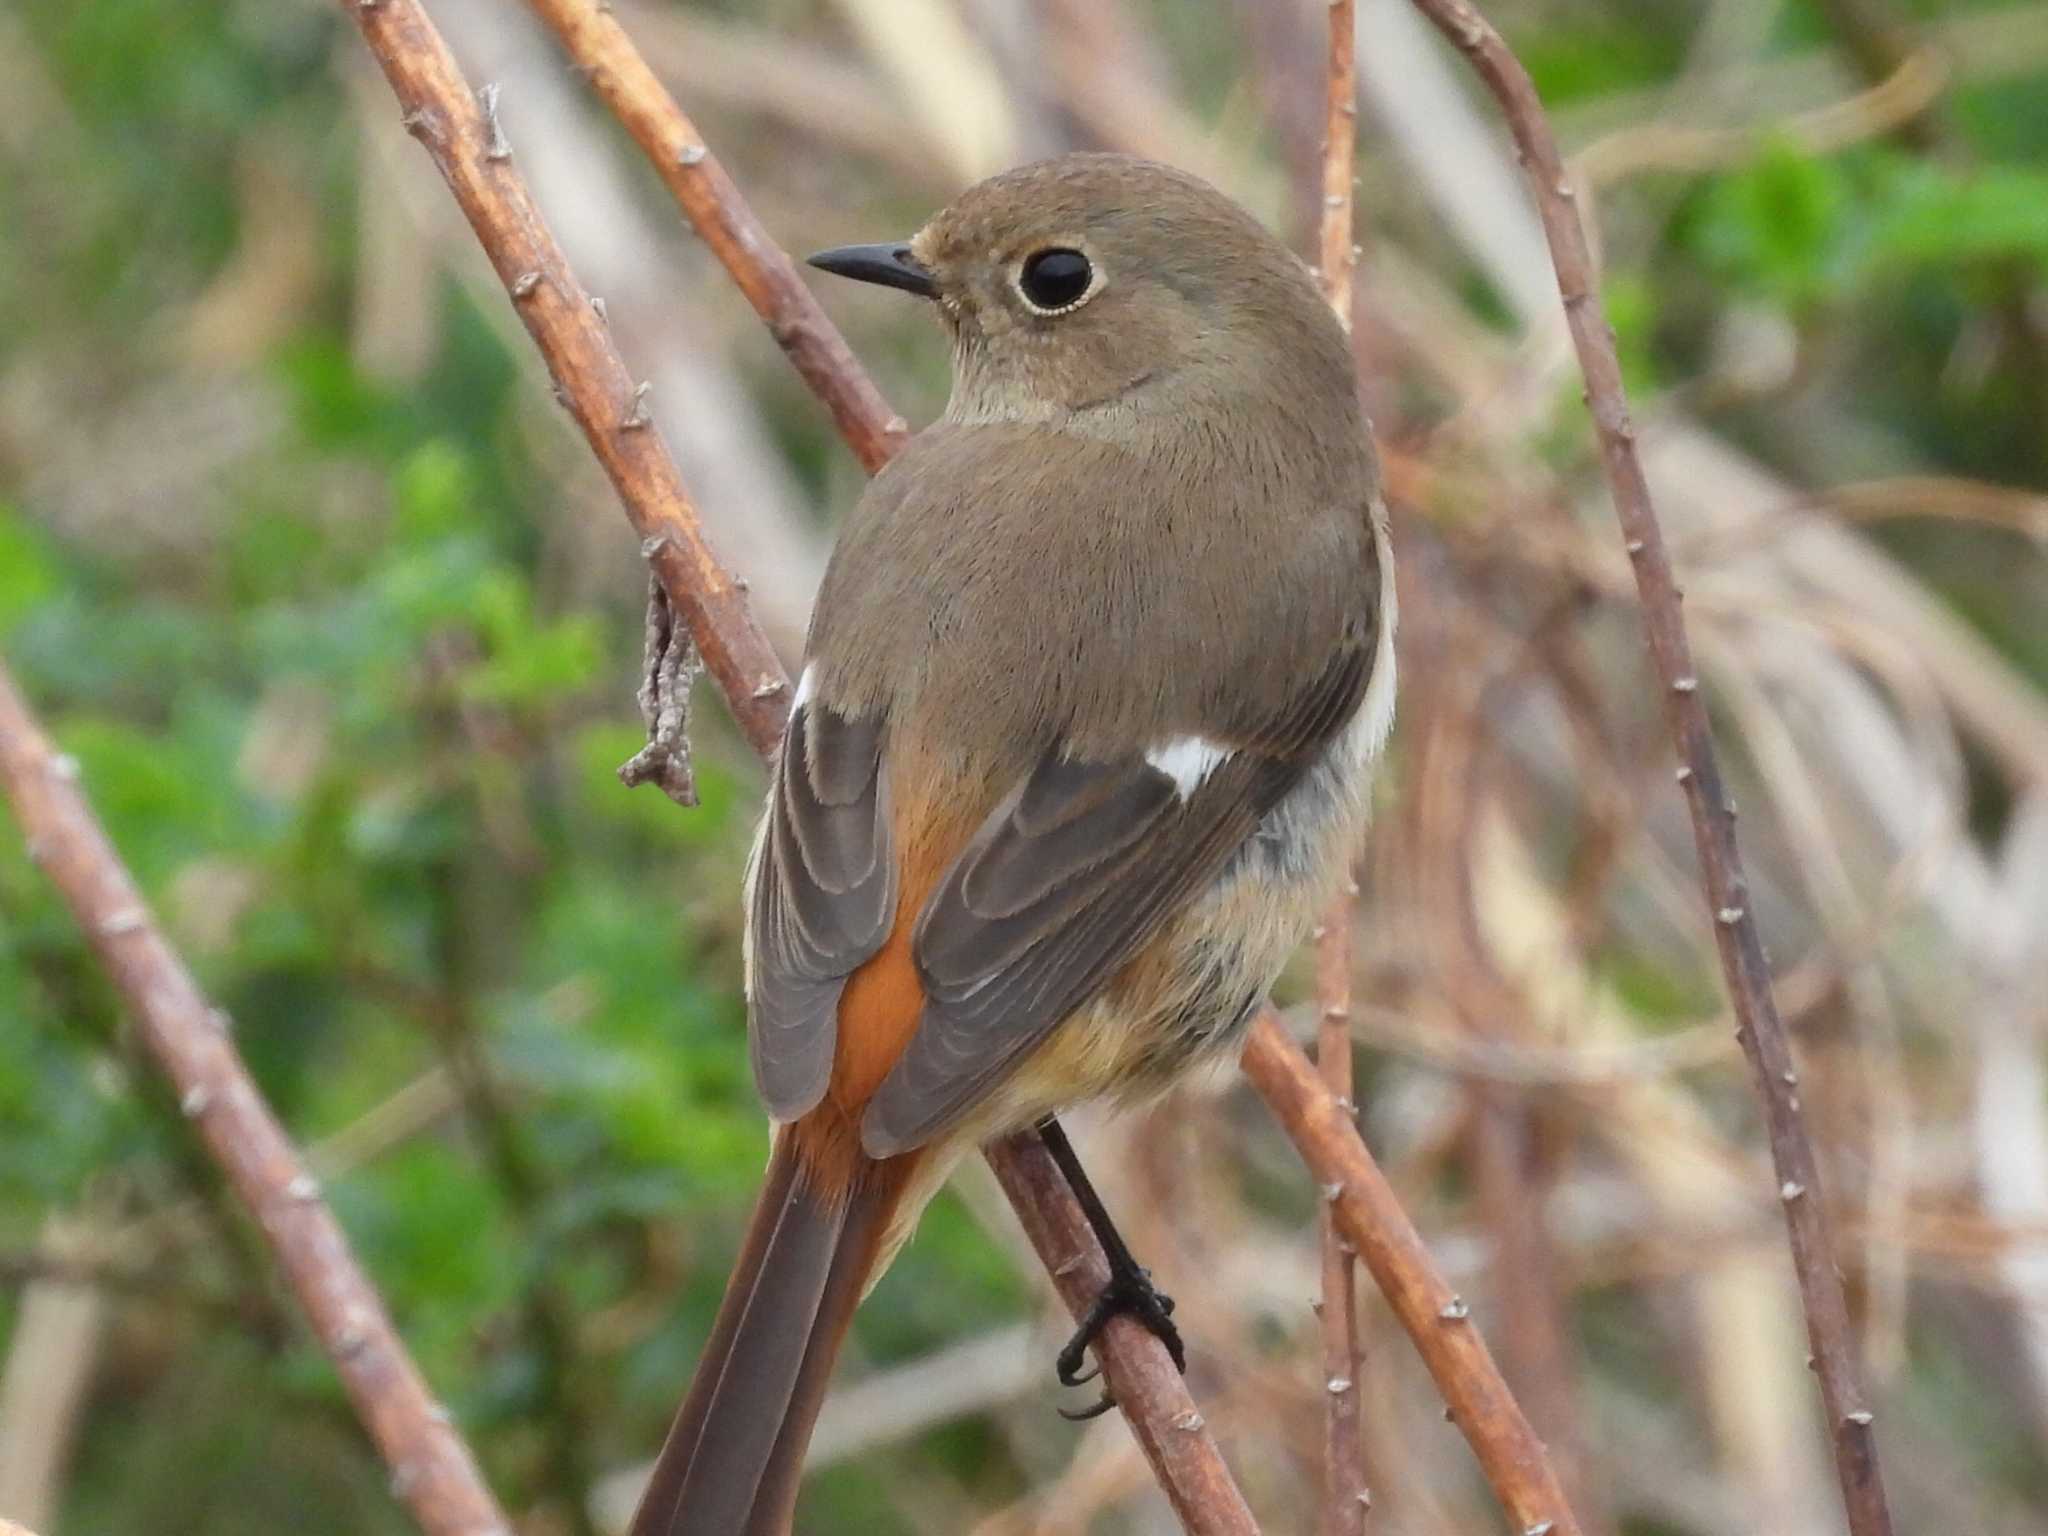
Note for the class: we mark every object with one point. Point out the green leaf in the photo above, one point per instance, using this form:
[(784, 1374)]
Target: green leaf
[(1780, 227), (1941, 214), (28, 574), (434, 493)]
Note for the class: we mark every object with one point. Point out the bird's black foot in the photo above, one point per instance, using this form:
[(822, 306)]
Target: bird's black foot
[(1129, 1293)]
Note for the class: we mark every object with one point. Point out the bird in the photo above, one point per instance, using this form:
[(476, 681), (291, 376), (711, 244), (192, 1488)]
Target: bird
[(1081, 745)]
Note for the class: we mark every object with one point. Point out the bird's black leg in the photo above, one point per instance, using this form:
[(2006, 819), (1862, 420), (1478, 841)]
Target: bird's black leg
[(1129, 1292)]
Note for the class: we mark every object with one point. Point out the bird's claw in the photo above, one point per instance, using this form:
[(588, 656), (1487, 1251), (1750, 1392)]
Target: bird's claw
[(1129, 1293)]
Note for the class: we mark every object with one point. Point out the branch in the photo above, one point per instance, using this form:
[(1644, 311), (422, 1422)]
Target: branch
[(431, 1468), (1340, 149), (1345, 1495), (759, 267), (1760, 1030), (459, 130), (1184, 1458), (1346, 1498), (1368, 1212), (1506, 1447)]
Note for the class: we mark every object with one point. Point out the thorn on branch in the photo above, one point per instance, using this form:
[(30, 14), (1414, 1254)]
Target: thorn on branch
[(496, 145), (638, 418), (670, 668)]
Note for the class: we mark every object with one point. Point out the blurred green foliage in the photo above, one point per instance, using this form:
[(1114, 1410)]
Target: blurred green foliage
[(361, 755)]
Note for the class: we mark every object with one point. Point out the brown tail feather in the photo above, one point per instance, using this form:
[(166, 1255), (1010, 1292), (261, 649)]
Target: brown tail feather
[(734, 1455)]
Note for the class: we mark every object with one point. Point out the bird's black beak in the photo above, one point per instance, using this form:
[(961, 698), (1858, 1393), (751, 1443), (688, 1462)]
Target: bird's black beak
[(891, 265)]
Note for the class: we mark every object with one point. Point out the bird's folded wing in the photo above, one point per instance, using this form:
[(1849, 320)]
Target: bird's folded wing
[(824, 896), (1066, 881)]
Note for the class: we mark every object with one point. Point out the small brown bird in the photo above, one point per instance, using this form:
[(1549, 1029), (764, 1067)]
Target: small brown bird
[(1081, 746)]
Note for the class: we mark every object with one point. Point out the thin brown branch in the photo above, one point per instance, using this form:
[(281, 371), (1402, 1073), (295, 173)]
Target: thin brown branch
[(758, 266), (1500, 1435), (1184, 1458), (1369, 1214), (1340, 149), (1345, 1495), (1743, 965), (459, 131), (1881, 44), (431, 1467), (1513, 1187)]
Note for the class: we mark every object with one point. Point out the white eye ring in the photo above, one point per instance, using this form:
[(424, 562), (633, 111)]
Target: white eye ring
[(1051, 270)]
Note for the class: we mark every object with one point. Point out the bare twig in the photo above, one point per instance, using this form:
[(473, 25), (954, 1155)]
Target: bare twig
[(1369, 1214), (1345, 1495), (590, 379), (1184, 1458), (594, 387), (431, 1468), (1880, 44), (1340, 146), (759, 267), (1743, 965), (1878, 109), (1500, 1435)]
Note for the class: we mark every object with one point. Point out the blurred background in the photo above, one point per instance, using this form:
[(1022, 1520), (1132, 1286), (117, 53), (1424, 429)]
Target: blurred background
[(301, 561)]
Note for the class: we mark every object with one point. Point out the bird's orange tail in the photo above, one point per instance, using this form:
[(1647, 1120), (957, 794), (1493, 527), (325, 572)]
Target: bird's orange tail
[(734, 1456)]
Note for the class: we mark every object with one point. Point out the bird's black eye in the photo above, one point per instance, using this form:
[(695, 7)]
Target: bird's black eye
[(1055, 279)]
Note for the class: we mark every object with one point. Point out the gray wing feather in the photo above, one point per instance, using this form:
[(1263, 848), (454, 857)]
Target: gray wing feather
[(1066, 881), (824, 898)]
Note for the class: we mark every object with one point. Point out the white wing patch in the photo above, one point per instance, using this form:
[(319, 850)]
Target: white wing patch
[(803, 687), (1187, 760), (1376, 713)]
